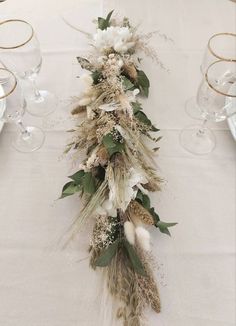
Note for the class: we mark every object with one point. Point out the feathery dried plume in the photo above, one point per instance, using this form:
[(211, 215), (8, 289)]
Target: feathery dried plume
[(143, 237), (129, 232)]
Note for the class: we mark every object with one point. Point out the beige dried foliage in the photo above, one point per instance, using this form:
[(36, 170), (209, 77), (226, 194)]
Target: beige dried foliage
[(102, 155), (147, 285), (133, 291), (151, 186), (130, 71), (78, 110)]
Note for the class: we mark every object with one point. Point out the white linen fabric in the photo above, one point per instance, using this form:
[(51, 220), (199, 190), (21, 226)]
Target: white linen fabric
[(40, 285)]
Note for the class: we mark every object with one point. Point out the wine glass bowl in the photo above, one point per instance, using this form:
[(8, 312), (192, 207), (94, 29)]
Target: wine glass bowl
[(20, 53), (13, 104), (215, 88), (220, 46), (213, 92)]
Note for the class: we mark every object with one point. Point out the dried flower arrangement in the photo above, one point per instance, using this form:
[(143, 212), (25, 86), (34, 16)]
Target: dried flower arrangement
[(118, 172)]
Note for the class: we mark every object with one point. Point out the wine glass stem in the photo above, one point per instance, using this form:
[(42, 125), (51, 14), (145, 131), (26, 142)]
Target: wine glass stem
[(37, 94), (201, 130), (23, 130)]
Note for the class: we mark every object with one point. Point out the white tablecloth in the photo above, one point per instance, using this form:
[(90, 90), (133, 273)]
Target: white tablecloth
[(40, 285)]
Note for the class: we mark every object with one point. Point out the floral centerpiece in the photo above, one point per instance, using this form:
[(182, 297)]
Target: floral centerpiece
[(118, 173)]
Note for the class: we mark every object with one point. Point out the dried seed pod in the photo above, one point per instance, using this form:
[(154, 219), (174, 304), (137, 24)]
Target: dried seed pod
[(130, 71), (137, 211), (102, 155), (78, 109), (151, 186)]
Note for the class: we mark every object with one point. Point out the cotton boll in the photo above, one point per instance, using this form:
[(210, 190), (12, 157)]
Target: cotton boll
[(129, 232), (143, 237)]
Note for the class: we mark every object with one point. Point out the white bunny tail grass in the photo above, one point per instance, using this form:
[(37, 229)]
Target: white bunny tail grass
[(129, 232), (143, 237)]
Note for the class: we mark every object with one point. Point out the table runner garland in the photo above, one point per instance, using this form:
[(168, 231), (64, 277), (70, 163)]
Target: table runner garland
[(119, 170)]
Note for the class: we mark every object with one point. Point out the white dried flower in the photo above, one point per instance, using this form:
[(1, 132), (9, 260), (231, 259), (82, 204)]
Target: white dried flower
[(83, 167), (108, 107), (92, 161), (87, 80), (90, 112), (118, 38), (143, 237), (107, 209), (137, 178), (132, 182), (129, 232)]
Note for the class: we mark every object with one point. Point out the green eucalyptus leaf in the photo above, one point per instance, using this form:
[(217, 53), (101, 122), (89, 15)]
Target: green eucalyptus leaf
[(139, 196), (136, 107), (155, 216), (103, 23), (89, 184), (144, 91), (96, 75), (106, 256), (109, 16), (117, 149), (154, 128), (163, 227), (78, 176), (143, 199), (127, 85), (70, 188), (108, 141), (134, 258), (84, 63), (112, 146), (143, 79), (141, 116), (143, 83)]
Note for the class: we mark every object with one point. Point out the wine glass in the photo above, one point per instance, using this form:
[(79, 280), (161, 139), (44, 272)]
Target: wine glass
[(12, 107), (20, 53), (221, 46), (213, 99)]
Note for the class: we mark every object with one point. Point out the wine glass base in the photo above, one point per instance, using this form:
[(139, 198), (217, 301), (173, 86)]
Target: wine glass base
[(27, 143), (192, 109), (42, 105), (197, 141)]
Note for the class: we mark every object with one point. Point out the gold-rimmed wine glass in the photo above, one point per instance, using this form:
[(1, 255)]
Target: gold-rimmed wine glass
[(215, 99), (20, 52), (12, 109), (220, 46)]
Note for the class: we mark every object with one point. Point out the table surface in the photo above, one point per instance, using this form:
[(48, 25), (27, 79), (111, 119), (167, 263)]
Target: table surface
[(41, 285)]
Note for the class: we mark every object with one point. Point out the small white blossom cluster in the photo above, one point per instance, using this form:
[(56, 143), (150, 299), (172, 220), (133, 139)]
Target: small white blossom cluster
[(115, 37), (103, 232), (91, 162), (111, 64)]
